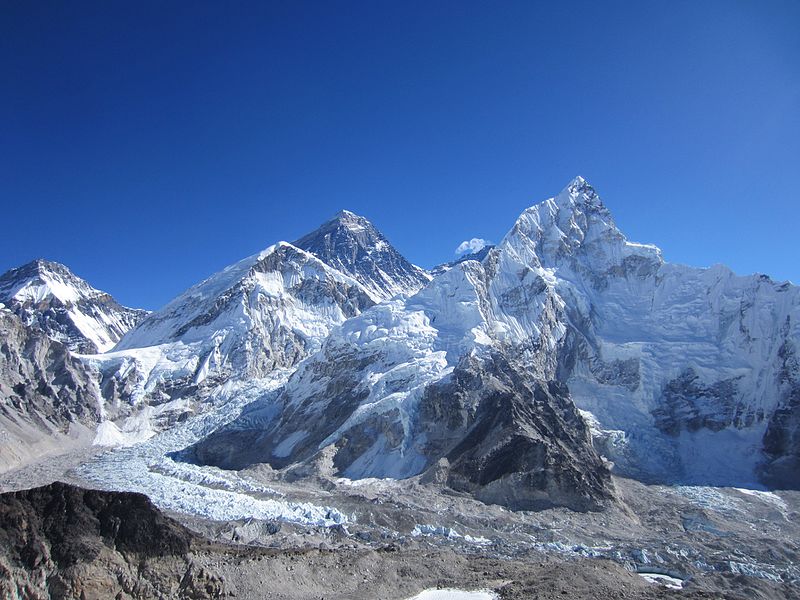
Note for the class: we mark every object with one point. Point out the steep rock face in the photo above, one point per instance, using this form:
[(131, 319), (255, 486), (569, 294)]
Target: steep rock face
[(48, 398), (60, 541), (782, 438), (352, 245), (511, 440), (49, 296)]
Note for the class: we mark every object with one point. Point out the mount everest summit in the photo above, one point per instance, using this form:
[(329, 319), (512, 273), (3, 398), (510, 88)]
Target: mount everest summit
[(521, 377)]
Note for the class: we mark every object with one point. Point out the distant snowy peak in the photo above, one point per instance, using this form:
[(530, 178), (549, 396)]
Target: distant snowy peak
[(352, 245), (47, 294)]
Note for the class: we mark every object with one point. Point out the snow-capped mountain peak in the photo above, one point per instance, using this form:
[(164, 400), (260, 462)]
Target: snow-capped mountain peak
[(575, 233), (40, 279), (266, 312), (580, 191), (352, 245), (66, 307), (690, 374)]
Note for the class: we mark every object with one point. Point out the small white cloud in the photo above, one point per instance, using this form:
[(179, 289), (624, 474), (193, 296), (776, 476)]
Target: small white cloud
[(471, 246)]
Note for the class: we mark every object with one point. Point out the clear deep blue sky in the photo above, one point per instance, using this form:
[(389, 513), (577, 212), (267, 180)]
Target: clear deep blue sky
[(149, 144)]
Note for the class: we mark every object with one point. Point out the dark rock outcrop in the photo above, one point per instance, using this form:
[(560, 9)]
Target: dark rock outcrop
[(690, 404), (512, 440), (62, 542), (782, 438)]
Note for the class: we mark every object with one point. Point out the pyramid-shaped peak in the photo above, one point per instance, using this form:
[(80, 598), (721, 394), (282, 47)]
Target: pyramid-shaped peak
[(581, 191), (349, 220), (39, 269), (346, 215), (41, 265), (354, 246), (343, 224)]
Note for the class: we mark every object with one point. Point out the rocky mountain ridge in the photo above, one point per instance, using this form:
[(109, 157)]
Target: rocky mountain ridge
[(48, 398), (352, 245), (60, 541)]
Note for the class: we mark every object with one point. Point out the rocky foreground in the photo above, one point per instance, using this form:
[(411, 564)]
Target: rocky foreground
[(62, 541)]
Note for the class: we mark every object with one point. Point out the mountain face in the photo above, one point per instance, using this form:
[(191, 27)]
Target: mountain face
[(353, 246), (485, 428), (690, 364), (48, 399), (684, 374), (517, 375), (49, 296), (457, 379), (266, 312)]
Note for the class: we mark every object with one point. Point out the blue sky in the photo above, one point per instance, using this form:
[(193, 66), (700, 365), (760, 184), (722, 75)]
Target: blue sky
[(149, 144)]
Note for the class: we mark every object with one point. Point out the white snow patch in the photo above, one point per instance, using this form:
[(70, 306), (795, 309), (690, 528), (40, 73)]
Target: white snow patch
[(768, 497), (449, 533), (108, 434), (454, 594), (672, 583), (285, 448)]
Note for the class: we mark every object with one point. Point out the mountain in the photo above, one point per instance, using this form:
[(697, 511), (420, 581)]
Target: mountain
[(681, 374), (266, 312), (424, 383), (48, 398), (685, 369), (353, 246), (48, 295)]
